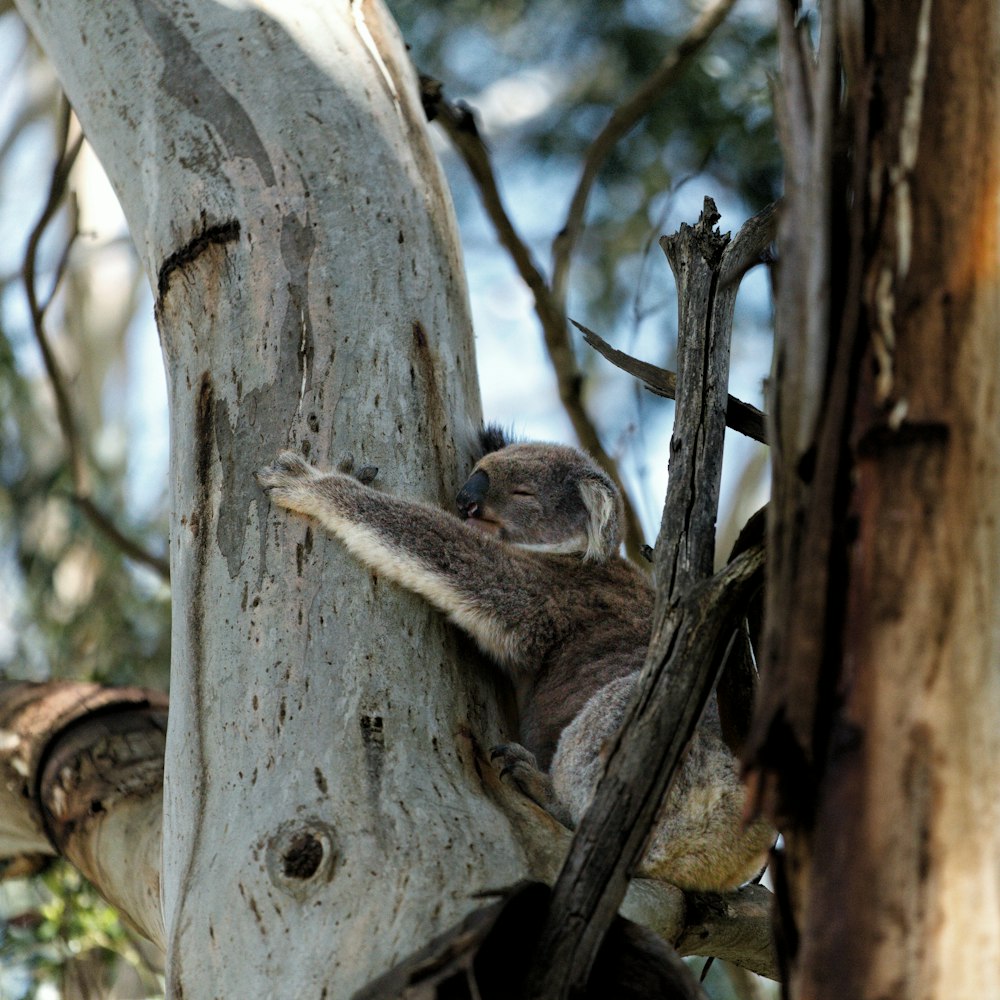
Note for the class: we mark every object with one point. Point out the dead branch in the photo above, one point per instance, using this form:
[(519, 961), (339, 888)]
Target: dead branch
[(740, 416), (695, 617), (611, 835)]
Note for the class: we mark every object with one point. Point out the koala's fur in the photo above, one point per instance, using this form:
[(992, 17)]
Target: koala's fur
[(532, 573)]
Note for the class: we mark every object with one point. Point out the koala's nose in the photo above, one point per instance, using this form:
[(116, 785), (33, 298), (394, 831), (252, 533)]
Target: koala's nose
[(472, 494)]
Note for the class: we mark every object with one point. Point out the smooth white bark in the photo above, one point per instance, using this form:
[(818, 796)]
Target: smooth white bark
[(321, 820)]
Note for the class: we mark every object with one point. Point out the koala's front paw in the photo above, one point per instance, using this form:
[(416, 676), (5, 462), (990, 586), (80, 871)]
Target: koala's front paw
[(518, 767), (289, 468), (290, 482)]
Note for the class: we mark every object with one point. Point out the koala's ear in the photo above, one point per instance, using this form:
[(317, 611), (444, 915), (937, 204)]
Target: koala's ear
[(605, 513), (492, 437), (474, 441)]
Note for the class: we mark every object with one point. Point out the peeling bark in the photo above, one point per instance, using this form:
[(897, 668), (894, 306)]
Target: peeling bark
[(877, 740)]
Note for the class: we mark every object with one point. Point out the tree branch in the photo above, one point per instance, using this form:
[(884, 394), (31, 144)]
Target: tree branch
[(65, 158), (740, 416), (81, 774), (624, 118), (695, 617), (79, 470), (734, 926)]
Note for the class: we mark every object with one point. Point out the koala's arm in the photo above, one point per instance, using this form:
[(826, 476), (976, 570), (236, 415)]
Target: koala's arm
[(485, 589)]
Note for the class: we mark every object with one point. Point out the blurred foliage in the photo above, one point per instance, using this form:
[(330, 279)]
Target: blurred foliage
[(74, 607), (575, 64), (77, 609), (56, 933)]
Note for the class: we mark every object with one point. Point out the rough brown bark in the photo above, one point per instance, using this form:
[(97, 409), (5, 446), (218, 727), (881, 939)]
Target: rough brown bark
[(878, 738)]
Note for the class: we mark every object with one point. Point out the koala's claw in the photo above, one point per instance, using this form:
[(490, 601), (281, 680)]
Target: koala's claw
[(288, 467), (512, 757), (365, 475), (291, 483), (518, 767)]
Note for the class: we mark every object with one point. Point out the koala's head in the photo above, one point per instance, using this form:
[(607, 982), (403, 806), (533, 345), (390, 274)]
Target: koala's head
[(545, 497)]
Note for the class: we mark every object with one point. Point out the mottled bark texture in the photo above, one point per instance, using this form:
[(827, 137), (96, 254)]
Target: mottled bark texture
[(877, 739)]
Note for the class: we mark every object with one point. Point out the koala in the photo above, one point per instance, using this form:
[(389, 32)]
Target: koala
[(530, 569)]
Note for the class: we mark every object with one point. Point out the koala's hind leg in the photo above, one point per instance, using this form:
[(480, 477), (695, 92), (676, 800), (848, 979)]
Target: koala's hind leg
[(579, 758), (517, 764), (699, 840)]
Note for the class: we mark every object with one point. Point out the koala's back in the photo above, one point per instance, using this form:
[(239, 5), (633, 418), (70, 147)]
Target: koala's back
[(599, 618)]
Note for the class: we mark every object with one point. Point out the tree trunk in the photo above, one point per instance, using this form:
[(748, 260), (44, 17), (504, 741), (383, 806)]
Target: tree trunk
[(878, 737), (321, 818)]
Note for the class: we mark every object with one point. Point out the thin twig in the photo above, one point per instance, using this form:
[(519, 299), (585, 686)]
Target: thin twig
[(740, 416), (65, 158), (624, 118), (459, 124), (66, 155), (128, 547)]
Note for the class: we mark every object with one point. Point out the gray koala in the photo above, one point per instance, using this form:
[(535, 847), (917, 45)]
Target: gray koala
[(531, 571)]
